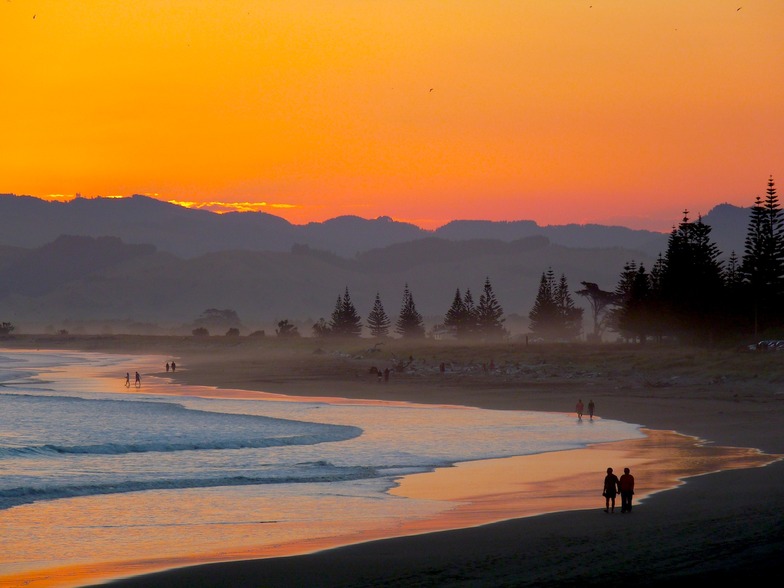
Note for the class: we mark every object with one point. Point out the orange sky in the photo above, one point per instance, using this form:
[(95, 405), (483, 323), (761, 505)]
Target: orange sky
[(609, 111)]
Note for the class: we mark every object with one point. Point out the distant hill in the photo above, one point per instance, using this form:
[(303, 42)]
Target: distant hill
[(188, 233), (102, 285), (138, 264)]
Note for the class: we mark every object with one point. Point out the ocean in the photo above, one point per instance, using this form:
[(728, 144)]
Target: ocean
[(93, 471)]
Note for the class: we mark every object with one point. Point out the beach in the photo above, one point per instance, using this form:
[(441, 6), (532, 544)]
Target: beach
[(725, 525)]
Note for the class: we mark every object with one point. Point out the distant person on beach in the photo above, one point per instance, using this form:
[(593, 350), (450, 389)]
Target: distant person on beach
[(167, 366), (174, 366), (579, 408), (610, 490), (127, 379), (591, 408), (626, 489), (386, 374), (138, 380)]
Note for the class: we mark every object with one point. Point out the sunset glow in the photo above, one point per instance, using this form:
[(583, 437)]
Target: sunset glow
[(561, 111)]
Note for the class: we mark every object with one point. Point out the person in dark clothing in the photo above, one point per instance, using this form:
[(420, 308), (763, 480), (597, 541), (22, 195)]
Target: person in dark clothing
[(626, 489), (610, 490)]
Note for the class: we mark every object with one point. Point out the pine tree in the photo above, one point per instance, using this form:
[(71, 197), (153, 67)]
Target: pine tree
[(623, 293), (692, 283), (633, 317), (470, 327), (335, 321), (554, 315), (345, 321), (489, 314), (737, 298), (456, 317), (409, 324), (763, 259), (378, 322), (543, 316), (571, 324)]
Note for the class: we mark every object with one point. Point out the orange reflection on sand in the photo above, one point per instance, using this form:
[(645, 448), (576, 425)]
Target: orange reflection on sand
[(501, 489), (482, 492)]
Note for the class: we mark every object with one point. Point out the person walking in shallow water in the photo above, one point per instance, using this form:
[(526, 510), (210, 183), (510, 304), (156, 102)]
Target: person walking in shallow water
[(591, 407), (626, 489), (579, 409), (127, 379), (138, 380), (610, 490)]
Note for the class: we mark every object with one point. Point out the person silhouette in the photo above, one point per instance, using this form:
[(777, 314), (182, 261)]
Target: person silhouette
[(626, 489), (610, 490), (591, 408), (127, 379), (579, 408), (138, 380)]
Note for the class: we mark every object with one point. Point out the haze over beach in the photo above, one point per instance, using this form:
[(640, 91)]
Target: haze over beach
[(594, 111)]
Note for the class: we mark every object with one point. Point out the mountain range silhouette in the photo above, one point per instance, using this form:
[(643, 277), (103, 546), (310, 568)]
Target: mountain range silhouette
[(138, 264)]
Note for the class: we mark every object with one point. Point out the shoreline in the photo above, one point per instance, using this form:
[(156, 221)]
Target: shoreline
[(718, 526)]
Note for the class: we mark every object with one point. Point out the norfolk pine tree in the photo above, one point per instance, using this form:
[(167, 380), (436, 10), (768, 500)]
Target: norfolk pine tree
[(378, 322), (456, 317), (489, 314), (409, 324), (345, 321), (543, 316), (763, 259)]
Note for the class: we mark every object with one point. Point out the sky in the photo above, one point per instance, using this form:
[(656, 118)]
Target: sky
[(622, 112)]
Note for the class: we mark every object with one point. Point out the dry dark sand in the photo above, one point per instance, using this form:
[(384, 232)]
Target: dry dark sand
[(726, 526)]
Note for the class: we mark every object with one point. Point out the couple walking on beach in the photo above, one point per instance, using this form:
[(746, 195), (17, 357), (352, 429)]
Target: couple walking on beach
[(614, 486), (580, 407), (138, 381)]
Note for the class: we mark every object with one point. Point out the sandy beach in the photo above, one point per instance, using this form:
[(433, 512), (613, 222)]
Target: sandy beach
[(721, 526)]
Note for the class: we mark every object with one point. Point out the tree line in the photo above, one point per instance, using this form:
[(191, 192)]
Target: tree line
[(692, 295), (689, 294)]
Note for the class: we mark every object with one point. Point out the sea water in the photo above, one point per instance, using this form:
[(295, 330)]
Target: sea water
[(110, 473)]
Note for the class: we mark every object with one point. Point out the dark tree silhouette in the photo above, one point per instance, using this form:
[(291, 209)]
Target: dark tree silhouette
[(633, 318), (601, 303), (378, 322), (554, 315), (457, 317), (691, 281), (409, 324), (544, 314), (321, 328), (286, 329), (571, 317), (345, 321), (489, 314), (763, 259), (470, 326)]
